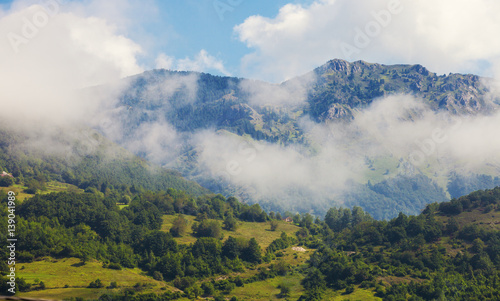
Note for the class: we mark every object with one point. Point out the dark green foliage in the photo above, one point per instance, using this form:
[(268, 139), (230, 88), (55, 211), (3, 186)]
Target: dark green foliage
[(72, 209), (179, 226), (411, 246), (253, 214), (114, 266), (6, 181), (20, 283), (129, 296), (306, 220), (224, 286), (34, 186), (281, 267), (230, 223), (314, 280), (453, 207), (452, 226), (208, 289), (486, 199), (160, 243), (184, 282), (207, 248), (253, 253), (231, 249), (143, 213), (96, 284), (284, 290), (343, 218), (349, 289), (281, 243), (208, 228)]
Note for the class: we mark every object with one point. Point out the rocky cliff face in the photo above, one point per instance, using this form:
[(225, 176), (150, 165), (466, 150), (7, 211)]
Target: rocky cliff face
[(357, 84)]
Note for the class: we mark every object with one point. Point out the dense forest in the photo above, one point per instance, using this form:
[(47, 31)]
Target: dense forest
[(439, 257), (448, 252)]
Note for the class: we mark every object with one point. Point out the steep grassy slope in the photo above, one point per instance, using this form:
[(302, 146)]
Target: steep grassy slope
[(84, 159)]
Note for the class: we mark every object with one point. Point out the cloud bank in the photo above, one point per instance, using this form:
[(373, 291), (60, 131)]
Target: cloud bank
[(401, 131), (53, 51)]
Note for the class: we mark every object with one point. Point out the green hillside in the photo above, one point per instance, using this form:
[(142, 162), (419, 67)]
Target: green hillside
[(449, 252), (89, 161), (170, 245)]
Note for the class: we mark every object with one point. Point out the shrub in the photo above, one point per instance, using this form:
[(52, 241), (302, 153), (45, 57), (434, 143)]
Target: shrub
[(96, 284), (157, 276), (274, 225), (284, 290), (349, 289), (207, 228), (6, 181), (113, 285), (230, 223), (114, 266), (179, 226), (208, 289)]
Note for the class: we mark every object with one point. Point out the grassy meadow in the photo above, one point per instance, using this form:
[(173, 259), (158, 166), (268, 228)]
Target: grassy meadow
[(261, 231)]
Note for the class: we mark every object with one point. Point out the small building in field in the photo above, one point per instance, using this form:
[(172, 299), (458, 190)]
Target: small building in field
[(288, 219), (4, 174)]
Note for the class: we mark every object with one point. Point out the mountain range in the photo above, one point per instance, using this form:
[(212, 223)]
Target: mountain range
[(343, 134)]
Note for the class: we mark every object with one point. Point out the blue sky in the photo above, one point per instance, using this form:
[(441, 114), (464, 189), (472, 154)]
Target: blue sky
[(277, 40), (182, 28), (196, 25)]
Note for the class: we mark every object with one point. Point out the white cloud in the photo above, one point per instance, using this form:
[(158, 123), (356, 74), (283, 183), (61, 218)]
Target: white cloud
[(445, 36), (159, 141), (289, 94), (164, 61), (51, 52), (202, 62)]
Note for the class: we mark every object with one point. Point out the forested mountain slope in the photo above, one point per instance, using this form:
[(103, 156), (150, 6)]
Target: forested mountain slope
[(200, 125), (84, 158)]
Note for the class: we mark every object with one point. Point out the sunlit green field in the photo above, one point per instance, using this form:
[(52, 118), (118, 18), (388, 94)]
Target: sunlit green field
[(261, 231), (52, 186), (64, 278)]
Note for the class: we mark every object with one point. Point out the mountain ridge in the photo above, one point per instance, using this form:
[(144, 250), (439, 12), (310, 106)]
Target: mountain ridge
[(176, 109)]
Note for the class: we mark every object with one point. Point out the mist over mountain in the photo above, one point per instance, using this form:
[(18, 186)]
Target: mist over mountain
[(394, 137)]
